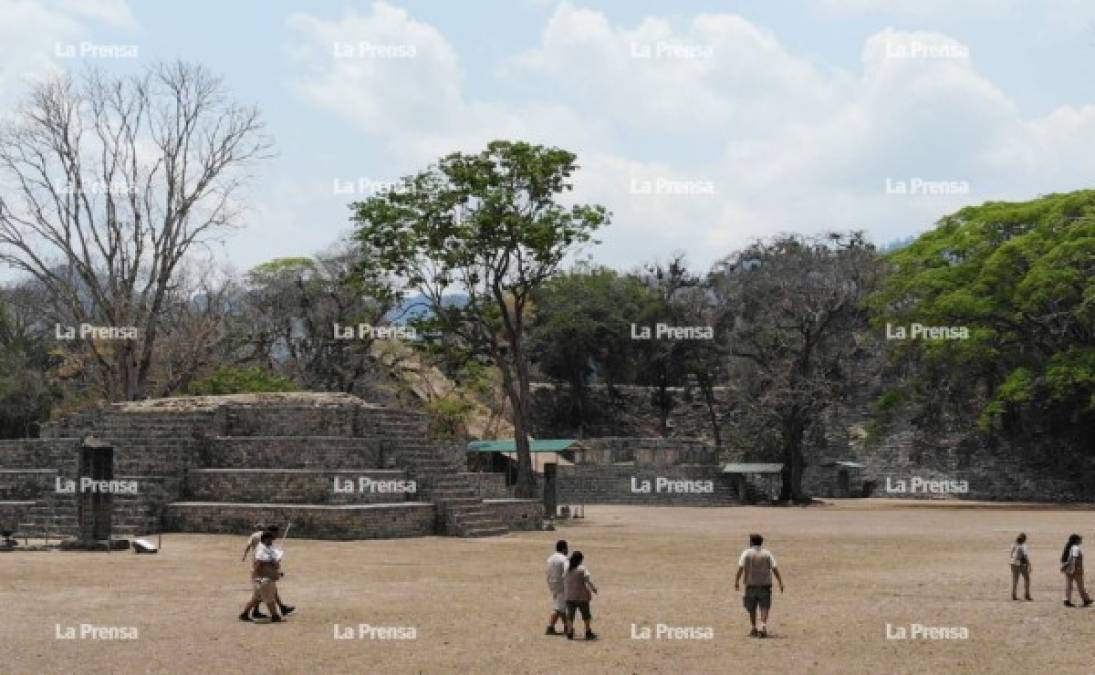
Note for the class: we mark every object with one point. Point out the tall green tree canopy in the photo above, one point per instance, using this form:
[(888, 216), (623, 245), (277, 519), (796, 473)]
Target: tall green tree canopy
[(582, 332), (489, 226), (1020, 277)]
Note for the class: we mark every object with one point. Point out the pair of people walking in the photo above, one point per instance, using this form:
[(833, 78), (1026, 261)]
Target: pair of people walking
[(1072, 566), (572, 590), (265, 572)]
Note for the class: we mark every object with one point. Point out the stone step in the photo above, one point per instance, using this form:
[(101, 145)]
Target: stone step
[(318, 521), (486, 532)]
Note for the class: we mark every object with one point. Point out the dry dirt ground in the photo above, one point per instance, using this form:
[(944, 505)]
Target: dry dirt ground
[(480, 606)]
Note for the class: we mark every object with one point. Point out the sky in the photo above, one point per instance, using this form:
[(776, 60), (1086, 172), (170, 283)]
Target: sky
[(701, 126)]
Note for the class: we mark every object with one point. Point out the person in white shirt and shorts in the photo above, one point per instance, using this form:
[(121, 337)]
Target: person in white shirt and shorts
[(556, 573)]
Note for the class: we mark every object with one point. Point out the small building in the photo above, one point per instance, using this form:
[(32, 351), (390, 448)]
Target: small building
[(755, 481), (501, 456), (842, 478)]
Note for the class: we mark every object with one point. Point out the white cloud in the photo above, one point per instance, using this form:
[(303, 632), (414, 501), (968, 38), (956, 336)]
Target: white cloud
[(110, 12), (784, 144), (30, 31)]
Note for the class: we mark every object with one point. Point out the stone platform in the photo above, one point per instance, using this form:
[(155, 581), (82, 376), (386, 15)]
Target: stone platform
[(231, 464)]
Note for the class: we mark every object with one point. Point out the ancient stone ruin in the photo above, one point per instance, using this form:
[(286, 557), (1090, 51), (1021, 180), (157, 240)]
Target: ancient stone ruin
[(334, 465)]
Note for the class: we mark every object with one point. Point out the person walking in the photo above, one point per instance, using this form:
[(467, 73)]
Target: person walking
[(264, 576), (253, 543), (1072, 564), (757, 565), (556, 575), (579, 589), (1020, 567)]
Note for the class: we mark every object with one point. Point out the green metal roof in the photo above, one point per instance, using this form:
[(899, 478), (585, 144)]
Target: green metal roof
[(508, 445)]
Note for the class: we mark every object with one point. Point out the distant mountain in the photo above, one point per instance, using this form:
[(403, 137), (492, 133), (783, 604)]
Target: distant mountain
[(417, 306), (897, 244)]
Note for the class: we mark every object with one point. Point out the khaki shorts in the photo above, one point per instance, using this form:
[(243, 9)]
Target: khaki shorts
[(266, 590), (757, 596), (559, 602)]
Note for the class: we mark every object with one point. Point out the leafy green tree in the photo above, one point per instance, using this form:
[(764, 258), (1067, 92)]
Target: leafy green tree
[(26, 393), (582, 332), (288, 310), (663, 364), (233, 380), (1020, 279), (488, 226)]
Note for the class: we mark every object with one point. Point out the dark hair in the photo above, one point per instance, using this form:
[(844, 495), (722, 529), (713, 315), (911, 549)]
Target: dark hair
[(266, 535), (576, 559), (561, 546), (1021, 538), (755, 539), (1073, 539)]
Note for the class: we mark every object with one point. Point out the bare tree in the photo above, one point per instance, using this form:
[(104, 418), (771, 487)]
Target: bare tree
[(794, 307), (291, 305), (107, 184)]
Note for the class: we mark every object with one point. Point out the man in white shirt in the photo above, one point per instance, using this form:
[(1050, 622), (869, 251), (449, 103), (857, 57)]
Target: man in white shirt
[(758, 566), (556, 573), (265, 573), (253, 540)]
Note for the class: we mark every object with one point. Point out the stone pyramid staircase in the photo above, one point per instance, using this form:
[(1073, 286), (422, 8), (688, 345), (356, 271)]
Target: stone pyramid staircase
[(437, 469), (229, 464)]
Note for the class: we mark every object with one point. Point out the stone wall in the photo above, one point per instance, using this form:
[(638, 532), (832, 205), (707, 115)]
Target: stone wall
[(489, 485), (959, 467), (22, 484), (285, 452), (518, 514), (38, 453), (630, 412), (623, 484), (371, 521), (227, 463), (299, 486), (949, 449), (647, 451)]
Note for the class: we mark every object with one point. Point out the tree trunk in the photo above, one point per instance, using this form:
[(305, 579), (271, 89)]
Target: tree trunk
[(709, 398), (526, 482), (791, 490)]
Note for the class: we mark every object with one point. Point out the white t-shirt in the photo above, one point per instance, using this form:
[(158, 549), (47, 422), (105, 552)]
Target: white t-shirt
[(758, 564), (1019, 554), (556, 571), (252, 542), (1075, 552), (268, 554)]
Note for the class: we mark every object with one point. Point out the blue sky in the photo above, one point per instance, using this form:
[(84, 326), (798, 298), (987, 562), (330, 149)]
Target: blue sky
[(739, 120)]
